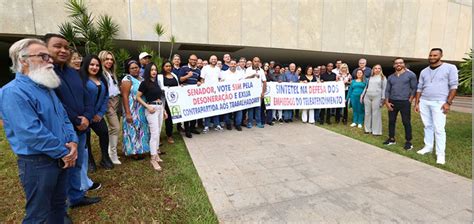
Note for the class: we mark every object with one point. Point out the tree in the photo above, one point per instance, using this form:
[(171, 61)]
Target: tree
[(172, 41), (96, 36), (465, 74), (160, 31)]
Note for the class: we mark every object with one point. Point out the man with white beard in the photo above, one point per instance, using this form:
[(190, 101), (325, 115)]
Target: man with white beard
[(78, 105), (39, 132)]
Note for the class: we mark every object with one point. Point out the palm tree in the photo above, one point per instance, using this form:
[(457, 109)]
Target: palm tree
[(172, 41), (97, 36), (465, 74), (160, 31)]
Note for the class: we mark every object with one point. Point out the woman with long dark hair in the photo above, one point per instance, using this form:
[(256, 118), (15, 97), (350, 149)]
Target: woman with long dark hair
[(96, 84), (152, 92), (166, 80)]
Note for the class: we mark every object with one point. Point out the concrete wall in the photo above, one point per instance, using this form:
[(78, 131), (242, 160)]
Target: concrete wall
[(407, 28)]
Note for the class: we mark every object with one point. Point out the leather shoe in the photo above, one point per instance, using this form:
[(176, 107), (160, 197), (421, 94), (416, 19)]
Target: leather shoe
[(189, 135), (86, 201), (194, 131)]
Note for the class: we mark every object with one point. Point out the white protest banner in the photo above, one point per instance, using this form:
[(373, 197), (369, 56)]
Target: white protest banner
[(193, 102), (311, 95)]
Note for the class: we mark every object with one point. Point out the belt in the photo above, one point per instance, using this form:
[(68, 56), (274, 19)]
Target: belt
[(155, 103)]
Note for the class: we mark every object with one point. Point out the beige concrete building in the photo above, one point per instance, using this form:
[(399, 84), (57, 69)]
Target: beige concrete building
[(303, 30)]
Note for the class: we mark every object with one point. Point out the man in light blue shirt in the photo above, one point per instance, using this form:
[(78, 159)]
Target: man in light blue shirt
[(437, 88), (39, 131)]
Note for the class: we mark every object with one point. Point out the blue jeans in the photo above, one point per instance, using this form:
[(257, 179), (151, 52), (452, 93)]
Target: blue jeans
[(215, 121), (74, 192), (44, 183), (237, 117), (316, 114), (251, 112), (288, 114), (86, 182)]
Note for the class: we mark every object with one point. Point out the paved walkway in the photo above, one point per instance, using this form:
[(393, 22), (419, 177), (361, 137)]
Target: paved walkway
[(299, 173), (462, 104)]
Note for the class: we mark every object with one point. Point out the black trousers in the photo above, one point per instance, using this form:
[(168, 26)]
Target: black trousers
[(404, 107), (327, 113), (344, 116), (102, 131), (168, 122), (189, 126)]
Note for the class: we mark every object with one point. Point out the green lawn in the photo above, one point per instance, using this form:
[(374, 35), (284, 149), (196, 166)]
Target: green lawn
[(458, 140), (132, 192)]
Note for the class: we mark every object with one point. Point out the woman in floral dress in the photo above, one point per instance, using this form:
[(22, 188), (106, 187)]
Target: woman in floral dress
[(136, 134)]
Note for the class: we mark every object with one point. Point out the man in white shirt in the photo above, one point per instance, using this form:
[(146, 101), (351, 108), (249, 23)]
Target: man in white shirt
[(255, 72), (210, 75), (338, 66), (232, 75)]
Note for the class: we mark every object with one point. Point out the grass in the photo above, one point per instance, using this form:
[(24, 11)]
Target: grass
[(458, 140), (131, 193)]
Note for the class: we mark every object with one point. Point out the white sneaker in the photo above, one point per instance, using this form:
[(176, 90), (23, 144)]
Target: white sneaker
[(440, 160), (359, 126), (353, 124), (205, 130), (424, 150), (218, 128)]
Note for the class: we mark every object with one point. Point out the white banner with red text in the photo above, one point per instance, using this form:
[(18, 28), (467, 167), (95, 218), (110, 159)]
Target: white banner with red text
[(193, 102), (313, 95)]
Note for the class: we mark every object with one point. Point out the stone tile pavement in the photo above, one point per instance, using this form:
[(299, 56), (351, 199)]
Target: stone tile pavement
[(299, 173)]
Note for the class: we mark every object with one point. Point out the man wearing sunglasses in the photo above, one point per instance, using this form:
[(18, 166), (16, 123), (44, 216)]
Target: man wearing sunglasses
[(39, 131)]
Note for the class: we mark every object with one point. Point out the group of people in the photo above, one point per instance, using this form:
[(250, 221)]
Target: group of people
[(57, 98)]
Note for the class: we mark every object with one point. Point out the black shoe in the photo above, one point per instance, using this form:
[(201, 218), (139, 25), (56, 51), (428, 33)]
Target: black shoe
[(291, 120), (194, 131), (95, 186), (189, 135), (270, 123), (286, 121), (389, 142), (180, 128), (408, 146), (86, 201), (67, 219), (161, 152), (228, 127), (108, 165), (238, 128), (280, 120)]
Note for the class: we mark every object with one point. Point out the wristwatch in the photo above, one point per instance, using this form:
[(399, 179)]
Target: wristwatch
[(449, 103)]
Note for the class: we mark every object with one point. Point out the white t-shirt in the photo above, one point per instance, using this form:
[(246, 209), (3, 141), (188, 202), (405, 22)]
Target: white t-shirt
[(113, 87), (250, 71), (210, 74), (227, 75)]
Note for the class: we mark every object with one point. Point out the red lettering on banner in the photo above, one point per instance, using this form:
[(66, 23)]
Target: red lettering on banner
[(317, 89), (213, 99), (201, 91), (283, 101)]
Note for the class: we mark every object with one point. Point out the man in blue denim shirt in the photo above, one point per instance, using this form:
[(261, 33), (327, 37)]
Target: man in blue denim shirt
[(39, 131), (290, 76), (78, 105)]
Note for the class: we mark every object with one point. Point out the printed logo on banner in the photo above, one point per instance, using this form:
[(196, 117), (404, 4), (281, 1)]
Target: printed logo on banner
[(267, 100), (267, 90), (172, 96), (175, 112)]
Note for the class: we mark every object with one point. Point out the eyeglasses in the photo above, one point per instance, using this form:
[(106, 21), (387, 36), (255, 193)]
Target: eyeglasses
[(43, 56)]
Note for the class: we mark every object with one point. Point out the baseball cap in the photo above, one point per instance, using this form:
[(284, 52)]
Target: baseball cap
[(144, 55)]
